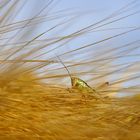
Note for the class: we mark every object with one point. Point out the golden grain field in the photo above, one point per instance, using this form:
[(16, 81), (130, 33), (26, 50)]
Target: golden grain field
[(60, 80)]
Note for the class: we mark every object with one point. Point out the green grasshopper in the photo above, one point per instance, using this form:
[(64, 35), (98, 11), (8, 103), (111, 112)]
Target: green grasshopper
[(77, 83), (81, 85)]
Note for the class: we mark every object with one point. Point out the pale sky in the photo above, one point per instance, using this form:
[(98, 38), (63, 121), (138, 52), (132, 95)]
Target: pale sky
[(89, 12)]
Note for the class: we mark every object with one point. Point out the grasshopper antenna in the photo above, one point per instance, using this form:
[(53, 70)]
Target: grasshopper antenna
[(65, 68)]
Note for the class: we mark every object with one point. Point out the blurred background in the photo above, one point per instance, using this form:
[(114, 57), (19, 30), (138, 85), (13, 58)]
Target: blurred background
[(97, 40)]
